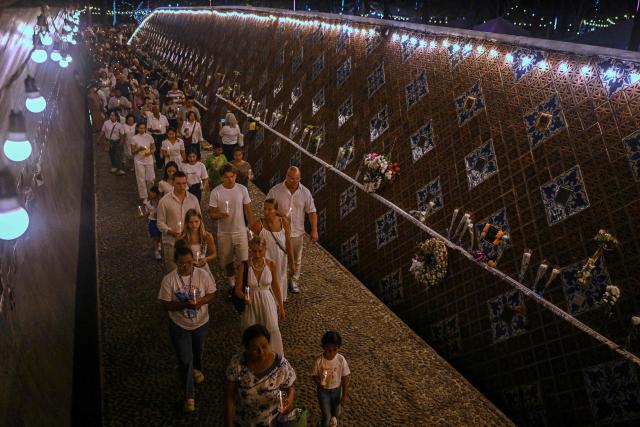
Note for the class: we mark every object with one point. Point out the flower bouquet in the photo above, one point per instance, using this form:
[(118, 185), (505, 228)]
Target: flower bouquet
[(378, 169), (429, 265)]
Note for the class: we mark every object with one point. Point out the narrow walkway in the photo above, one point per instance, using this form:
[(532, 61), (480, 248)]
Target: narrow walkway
[(397, 380)]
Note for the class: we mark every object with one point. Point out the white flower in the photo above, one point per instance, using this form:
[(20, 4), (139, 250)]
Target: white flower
[(613, 290), (415, 265), (635, 320)]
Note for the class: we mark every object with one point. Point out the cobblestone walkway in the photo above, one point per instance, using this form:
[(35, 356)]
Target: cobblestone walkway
[(396, 380)]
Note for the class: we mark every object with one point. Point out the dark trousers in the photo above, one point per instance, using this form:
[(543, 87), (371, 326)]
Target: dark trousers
[(189, 347), (158, 143), (116, 152), (227, 150), (196, 190)]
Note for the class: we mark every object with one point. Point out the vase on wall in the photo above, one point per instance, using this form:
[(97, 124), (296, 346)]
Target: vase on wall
[(372, 186)]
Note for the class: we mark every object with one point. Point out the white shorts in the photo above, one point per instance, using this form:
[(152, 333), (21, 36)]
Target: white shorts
[(232, 247)]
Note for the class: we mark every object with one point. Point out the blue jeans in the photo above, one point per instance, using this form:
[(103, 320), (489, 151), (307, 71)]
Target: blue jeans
[(189, 346), (329, 400)]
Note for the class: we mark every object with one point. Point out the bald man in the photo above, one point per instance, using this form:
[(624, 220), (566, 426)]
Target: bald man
[(294, 201)]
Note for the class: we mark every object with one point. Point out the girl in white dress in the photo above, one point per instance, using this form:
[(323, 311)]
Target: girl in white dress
[(276, 231), (129, 130), (173, 148), (263, 302), (199, 240)]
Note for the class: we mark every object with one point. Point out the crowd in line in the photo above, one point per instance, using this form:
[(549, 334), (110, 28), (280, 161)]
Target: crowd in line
[(148, 122)]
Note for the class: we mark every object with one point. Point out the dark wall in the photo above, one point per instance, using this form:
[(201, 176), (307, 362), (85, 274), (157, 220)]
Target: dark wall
[(550, 189)]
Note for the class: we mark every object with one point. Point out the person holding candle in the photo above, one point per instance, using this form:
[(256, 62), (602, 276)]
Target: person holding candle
[(230, 135), (229, 203), (185, 294), (331, 374), (294, 200), (191, 132), (172, 148), (199, 240), (152, 209), (142, 148), (242, 167), (255, 377), (171, 212), (166, 184)]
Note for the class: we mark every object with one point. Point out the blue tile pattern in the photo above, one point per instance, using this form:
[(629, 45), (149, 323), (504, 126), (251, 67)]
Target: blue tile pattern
[(317, 102), (277, 86), (422, 141), (342, 39), (545, 121), (416, 89), (275, 179), (275, 148), (343, 72), (458, 52), (391, 288), (408, 46), (505, 322), (318, 180), (481, 164), (379, 123), (373, 40), (346, 154), (498, 219), (524, 60), (615, 74), (432, 192), (296, 61), (296, 126), (349, 251), (348, 201), (317, 67), (445, 336), (322, 222), (296, 159), (375, 79), (257, 168), (345, 111), (584, 298), (316, 141), (296, 93), (469, 104), (525, 405), (632, 145), (564, 196), (614, 391), (386, 228), (317, 36)]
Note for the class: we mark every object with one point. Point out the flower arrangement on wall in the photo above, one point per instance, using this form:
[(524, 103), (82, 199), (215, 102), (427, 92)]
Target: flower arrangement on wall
[(429, 265), (377, 170)]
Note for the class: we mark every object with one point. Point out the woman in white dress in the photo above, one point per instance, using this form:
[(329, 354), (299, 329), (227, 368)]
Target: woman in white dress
[(191, 133), (173, 148), (276, 231), (263, 302), (199, 240), (129, 130)]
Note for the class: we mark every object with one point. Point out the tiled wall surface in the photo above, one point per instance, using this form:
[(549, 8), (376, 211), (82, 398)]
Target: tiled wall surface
[(541, 146)]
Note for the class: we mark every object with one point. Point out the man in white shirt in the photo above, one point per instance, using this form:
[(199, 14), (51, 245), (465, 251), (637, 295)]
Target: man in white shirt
[(157, 125), (113, 132), (184, 109), (119, 102), (229, 203), (186, 293), (294, 200)]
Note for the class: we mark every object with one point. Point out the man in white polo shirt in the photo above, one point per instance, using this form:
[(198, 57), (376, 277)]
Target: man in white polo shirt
[(171, 211), (294, 200), (229, 203)]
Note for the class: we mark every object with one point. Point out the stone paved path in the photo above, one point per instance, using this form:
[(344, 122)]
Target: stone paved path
[(397, 380)]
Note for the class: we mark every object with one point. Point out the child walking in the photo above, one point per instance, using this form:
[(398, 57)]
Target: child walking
[(331, 373), (196, 174), (152, 207)]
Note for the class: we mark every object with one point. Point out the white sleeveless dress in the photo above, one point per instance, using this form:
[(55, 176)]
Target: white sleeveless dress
[(263, 308), (277, 255), (198, 247)]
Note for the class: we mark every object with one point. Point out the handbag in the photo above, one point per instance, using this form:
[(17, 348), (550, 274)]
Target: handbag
[(296, 418), (238, 303), (240, 140)]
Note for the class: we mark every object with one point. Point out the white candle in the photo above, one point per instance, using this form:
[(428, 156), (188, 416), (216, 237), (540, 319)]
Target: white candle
[(226, 204), (552, 276), (453, 220), (542, 269), (463, 221), (526, 257), (289, 212), (179, 226)]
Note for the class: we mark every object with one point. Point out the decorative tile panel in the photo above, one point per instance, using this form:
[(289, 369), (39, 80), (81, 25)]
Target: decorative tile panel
[(386, 228), (545, 121), (296, 93), (296, 159), (445, 336), (614, 391), (616, 74), (280, 56), (343, 72), (317, 67), (259, 138), (318, 180), (257, 168), (275, 148), (432, 192), (469, 104), (391, 288), (506, 321), (632, 145), (458, 52), (498, 219), (277, 86), (317, 36), (481, 164), (345, 155), (348, 201), (416, 90), (317, 102), (296, 62), (345, 111), (422, 141), (584, 298), (373, 40), (322, 222), (316, 140), (408, 46), (296, 126), (342, 39), (525, 404), (275, 179), (564, 196), (375, 79), (349, 252), (524, 60), (379, 123)]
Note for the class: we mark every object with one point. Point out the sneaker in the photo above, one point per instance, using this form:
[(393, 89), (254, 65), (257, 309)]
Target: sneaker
[(120, 172), (198, 376), (294, 288), (189, 405), (114, 170), (333, 422)]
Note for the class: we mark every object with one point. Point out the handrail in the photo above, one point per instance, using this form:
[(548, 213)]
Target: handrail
[(451, 245)]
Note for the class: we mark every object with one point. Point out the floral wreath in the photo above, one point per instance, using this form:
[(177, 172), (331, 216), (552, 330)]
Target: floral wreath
[(429, 265)]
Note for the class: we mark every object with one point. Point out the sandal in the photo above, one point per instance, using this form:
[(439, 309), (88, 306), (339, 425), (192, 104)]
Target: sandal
[(189, 405), (198, 376)]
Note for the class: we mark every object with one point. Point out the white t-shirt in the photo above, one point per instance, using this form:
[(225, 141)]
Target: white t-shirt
[(142, 140), (235, 198), (161, 123), (182, 288), (195, 173), (335, 369), (300, 202), (112, 130), (193, 130), (229, 134), (174, 151)]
